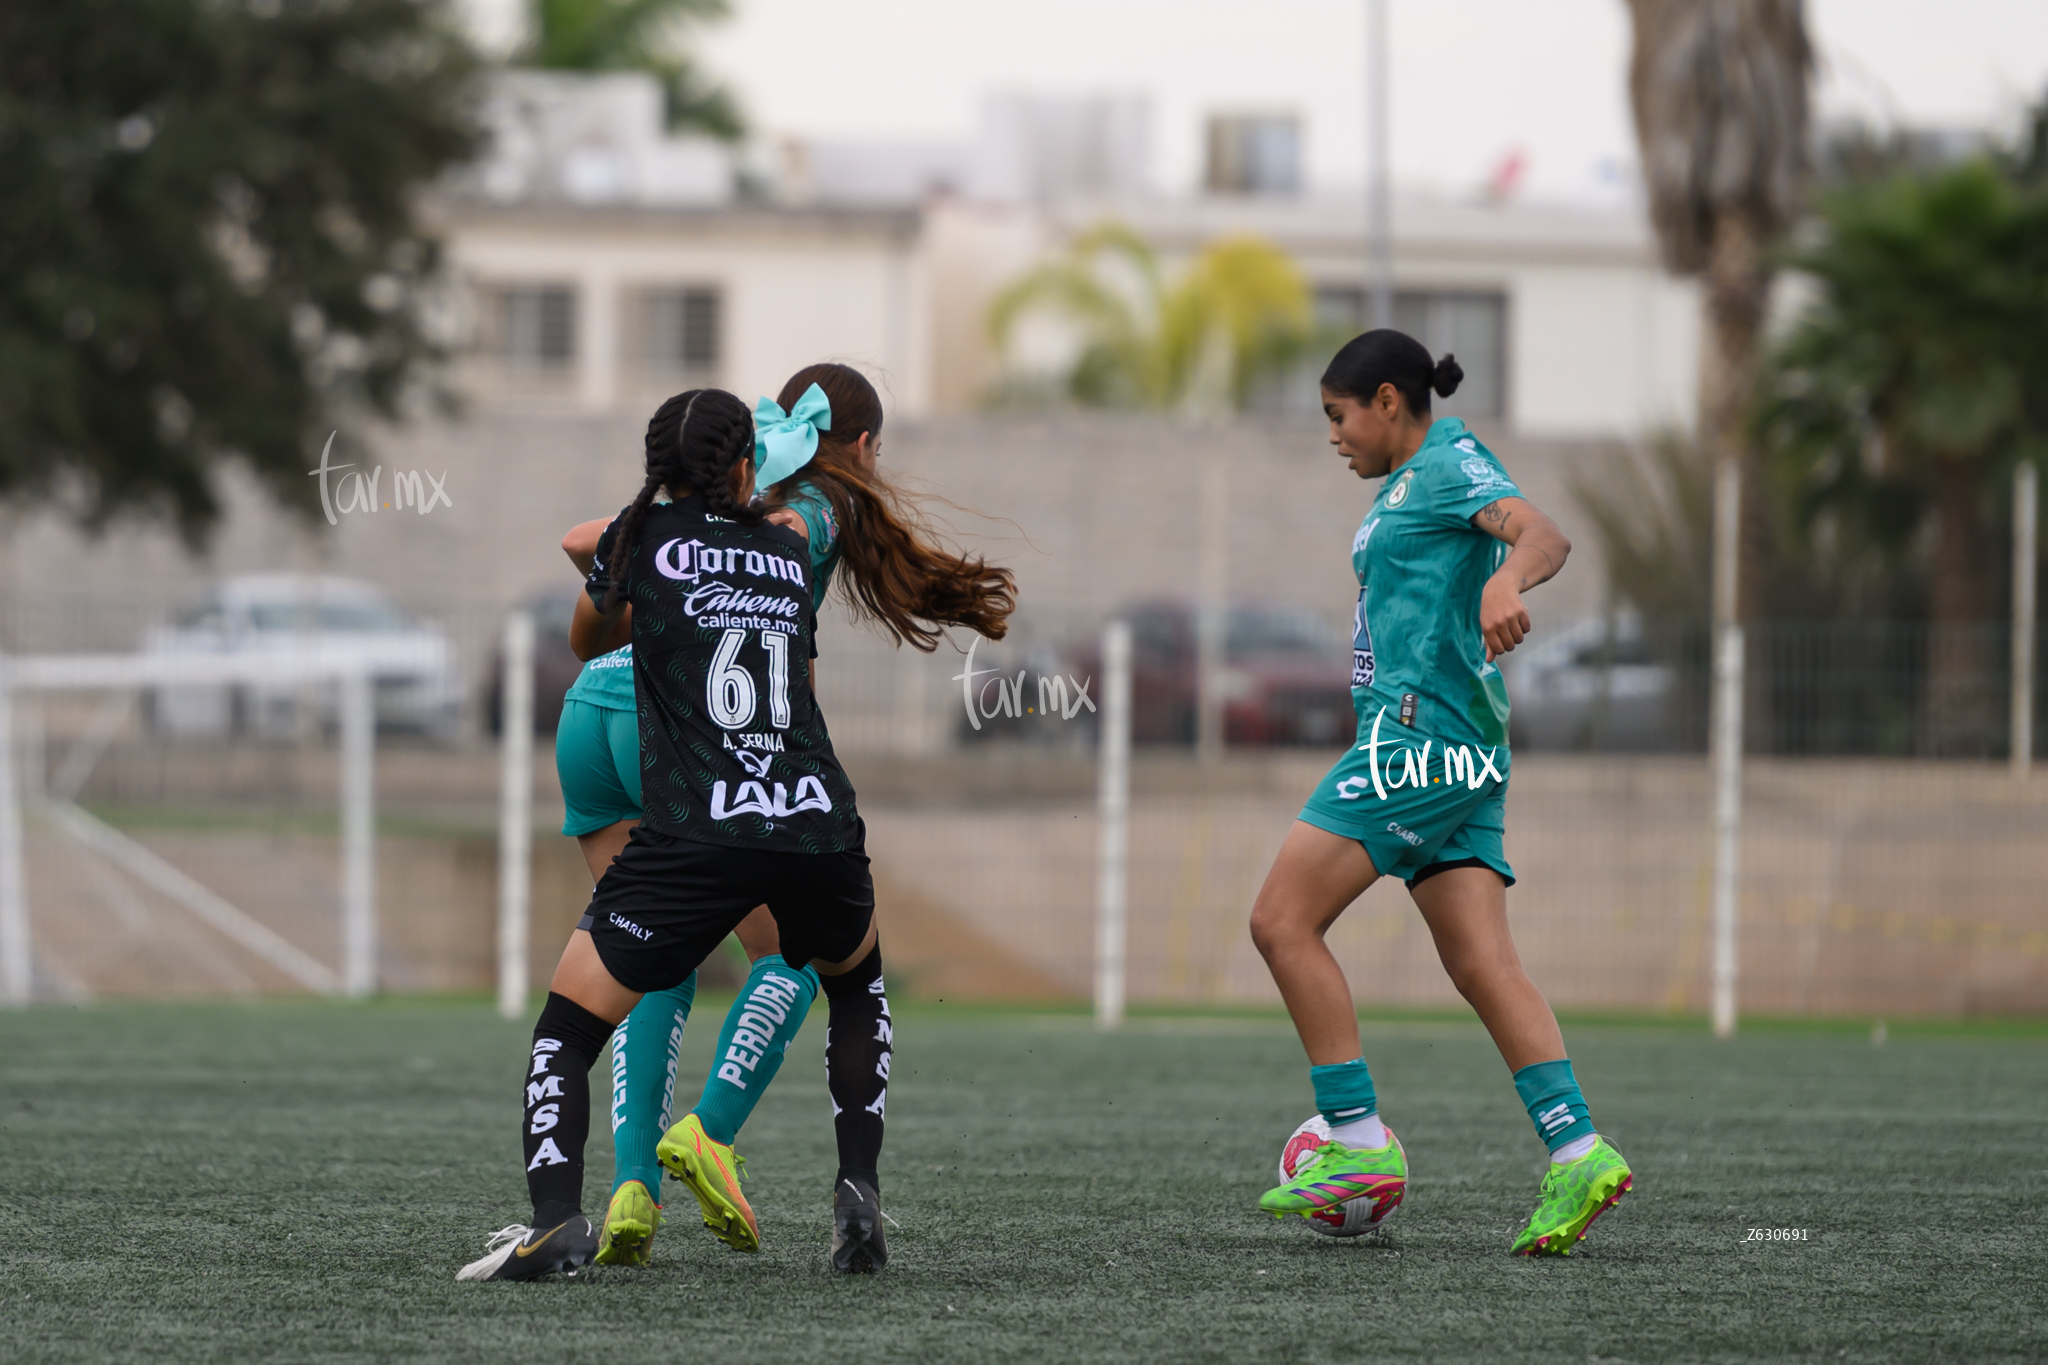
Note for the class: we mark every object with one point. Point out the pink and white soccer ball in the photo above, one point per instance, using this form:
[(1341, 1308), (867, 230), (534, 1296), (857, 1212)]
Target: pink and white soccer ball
[(1353, 1217)]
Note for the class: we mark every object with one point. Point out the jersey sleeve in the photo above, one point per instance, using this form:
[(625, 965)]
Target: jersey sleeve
[(821, 522), (1468, 480), (600, 581)]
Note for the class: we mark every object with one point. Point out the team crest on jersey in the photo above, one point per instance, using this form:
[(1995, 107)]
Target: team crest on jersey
[(1398, 494)]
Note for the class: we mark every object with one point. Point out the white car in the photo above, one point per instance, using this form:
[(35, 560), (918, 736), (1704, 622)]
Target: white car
[(1572, 687), (418, 685)]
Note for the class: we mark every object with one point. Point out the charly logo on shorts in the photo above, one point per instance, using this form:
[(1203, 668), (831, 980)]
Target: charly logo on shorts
[(1413, 839), (635, 930), (1398, 494)]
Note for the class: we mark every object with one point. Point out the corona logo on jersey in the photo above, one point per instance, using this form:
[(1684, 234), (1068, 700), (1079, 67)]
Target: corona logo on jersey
[(1462, 763), (687, 560)]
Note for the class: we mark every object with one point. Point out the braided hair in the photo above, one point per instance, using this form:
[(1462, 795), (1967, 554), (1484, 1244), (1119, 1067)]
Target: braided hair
[(695, 442)]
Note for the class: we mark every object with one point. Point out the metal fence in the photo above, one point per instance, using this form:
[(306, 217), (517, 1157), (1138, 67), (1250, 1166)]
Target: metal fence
[(1877, 880), (1895, 689)]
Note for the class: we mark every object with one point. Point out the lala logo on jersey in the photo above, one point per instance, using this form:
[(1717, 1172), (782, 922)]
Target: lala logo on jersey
[(753, 799)]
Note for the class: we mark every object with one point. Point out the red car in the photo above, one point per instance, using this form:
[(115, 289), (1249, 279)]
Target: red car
[(1286, 676)]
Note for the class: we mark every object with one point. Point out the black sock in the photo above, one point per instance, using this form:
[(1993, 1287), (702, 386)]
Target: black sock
[(857, 1044), (566, 1042)]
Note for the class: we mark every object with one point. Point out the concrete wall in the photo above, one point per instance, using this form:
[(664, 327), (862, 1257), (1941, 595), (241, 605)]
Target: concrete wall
[(1090, 510)]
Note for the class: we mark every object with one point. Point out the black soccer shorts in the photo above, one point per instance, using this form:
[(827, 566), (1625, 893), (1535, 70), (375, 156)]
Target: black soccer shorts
[(665, 903)]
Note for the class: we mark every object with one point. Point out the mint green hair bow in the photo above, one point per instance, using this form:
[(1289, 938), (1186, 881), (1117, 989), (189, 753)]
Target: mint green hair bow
[(784, 442)]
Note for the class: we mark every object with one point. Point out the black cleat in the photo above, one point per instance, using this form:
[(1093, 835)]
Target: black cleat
[(523, 1253), (857, 1244)]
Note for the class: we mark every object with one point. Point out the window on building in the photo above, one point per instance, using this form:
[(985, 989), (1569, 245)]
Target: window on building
[(680, 330), (1254, 154), (532, 325), (1469, 324)]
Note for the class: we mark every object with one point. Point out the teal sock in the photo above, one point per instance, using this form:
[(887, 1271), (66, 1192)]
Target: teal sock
[(758, 1029), (644, 1082), (1551, 1094), (1344, 1092)]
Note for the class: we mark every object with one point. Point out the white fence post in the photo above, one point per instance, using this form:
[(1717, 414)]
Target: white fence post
[(1113, 813), (1725, 741), (2026, 501), (1211, 612), (515, 814), (16, 977), (1727, 765), (358, 835)]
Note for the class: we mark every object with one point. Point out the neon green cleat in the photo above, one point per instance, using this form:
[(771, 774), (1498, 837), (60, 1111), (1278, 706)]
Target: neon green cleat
[(1337, 1174), (1574, 1194), (629, 1227), (712, 1172)]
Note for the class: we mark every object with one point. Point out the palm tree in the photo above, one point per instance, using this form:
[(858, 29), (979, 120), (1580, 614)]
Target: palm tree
[(1239, 315), (636, 35), (1918, 376), (1719, 90)]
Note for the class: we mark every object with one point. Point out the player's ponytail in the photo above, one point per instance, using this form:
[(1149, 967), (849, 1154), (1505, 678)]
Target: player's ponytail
[(1385, 356), (693, 442), (895, 568)]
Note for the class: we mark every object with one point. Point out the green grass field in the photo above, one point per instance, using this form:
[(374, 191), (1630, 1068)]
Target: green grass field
[(300, 1182)]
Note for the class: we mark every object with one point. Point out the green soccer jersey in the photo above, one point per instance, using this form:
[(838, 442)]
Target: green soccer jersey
[(823, 524), (606, 681), (1421, 564)]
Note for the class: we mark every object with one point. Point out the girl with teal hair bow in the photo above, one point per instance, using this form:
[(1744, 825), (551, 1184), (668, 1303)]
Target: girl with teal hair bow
[(816, 455)]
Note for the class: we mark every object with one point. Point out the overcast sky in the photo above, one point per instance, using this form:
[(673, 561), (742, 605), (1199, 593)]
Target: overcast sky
[(1474, 80)]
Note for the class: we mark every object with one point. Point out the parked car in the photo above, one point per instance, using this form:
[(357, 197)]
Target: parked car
[(417, 684), (555, 665), (1575, 688), (1286, 677)]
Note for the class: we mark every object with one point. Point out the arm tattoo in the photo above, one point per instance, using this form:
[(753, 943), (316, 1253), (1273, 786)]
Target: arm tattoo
[(1493, 514)]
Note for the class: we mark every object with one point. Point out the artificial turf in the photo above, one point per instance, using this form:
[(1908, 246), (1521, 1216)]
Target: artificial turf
[(300, 1181)]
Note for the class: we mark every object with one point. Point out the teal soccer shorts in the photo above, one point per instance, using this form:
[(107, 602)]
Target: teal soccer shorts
[(597, 756), (1410, 827)]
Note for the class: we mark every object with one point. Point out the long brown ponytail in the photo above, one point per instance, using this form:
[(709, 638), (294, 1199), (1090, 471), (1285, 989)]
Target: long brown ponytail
[(896, 568)]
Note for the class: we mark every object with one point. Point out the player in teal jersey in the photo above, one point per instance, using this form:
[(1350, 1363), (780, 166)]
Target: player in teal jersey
[(818, 449), (1442, 559)]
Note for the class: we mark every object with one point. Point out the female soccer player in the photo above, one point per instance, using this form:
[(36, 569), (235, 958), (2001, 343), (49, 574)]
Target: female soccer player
[(1443, 558), (817, 449), (597, 757)]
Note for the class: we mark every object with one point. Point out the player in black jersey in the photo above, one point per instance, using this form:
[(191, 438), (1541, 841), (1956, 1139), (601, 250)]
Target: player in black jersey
[(745, 804)]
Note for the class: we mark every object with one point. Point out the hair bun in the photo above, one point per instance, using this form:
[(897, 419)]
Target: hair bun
[(1447, 376)]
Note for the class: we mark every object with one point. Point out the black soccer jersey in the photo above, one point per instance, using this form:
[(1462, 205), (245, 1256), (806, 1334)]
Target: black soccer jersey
[(733, 747)]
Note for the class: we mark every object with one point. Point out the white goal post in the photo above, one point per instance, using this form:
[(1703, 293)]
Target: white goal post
[(349, 669)]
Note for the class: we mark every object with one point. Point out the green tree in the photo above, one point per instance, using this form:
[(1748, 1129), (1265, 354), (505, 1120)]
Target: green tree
[(1719, 91), (1894, 410), (636, 35), (1239, 315), (207, 243)]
